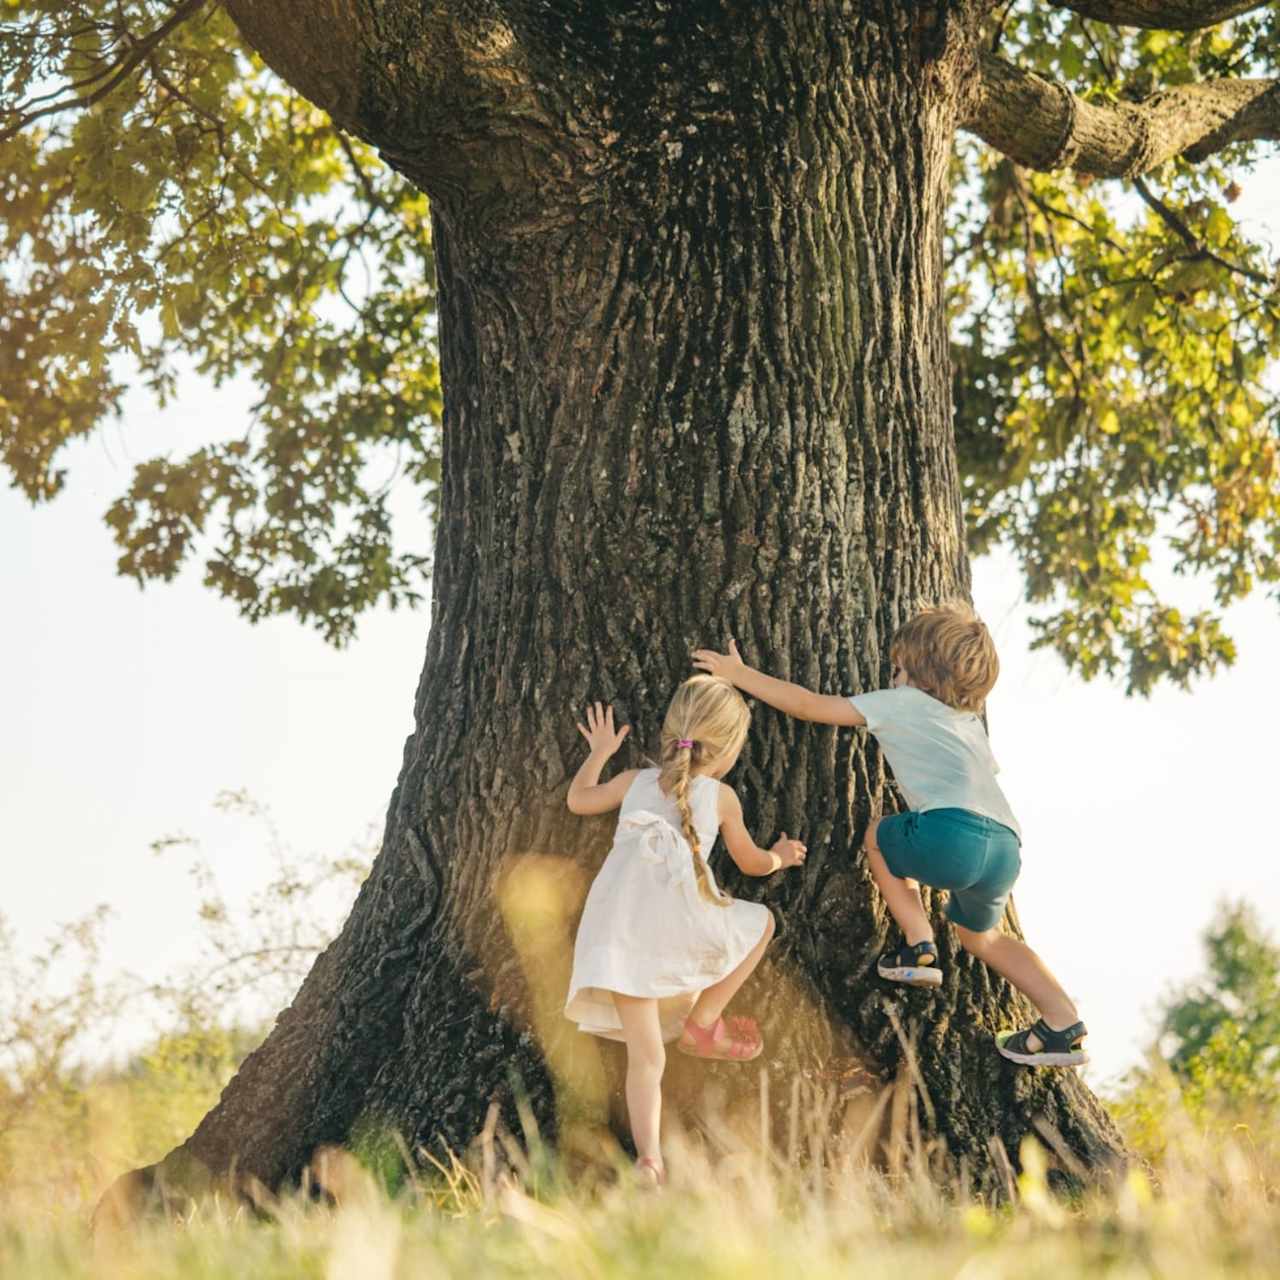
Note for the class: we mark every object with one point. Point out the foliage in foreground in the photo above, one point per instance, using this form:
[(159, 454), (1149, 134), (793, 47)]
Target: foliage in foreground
[(733, 1208)]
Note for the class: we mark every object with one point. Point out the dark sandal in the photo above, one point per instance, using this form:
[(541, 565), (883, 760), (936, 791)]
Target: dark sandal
[(1057, 1048), (916, 966)]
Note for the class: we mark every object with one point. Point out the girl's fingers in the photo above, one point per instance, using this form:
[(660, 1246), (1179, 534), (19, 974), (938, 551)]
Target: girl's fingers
[(622, 733), (582, 729)]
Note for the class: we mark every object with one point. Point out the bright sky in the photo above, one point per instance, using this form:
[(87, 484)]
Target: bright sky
[(126, 711)]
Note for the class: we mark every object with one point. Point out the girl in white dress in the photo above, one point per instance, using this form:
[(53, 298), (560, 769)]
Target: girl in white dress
[(660, 950)]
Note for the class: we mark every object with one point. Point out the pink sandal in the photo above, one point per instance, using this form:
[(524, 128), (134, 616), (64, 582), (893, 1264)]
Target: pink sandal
[(745, 1041)]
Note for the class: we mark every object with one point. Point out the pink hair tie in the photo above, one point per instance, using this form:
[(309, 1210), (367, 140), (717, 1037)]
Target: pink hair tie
[(686, 743)]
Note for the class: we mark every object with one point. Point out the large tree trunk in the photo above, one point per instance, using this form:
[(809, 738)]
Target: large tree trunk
[(696, 385)]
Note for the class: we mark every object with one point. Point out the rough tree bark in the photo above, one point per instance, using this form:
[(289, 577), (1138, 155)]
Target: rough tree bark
[(696, 385)]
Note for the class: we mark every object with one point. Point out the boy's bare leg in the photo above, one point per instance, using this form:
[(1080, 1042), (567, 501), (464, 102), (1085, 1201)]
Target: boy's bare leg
[(902, 897), (646, 1061), (1014, 960)]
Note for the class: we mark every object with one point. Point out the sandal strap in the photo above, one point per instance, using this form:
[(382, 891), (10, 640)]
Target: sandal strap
[(703, 1037), (740, 1046), (906, 957), (1017, 1042), (1051, 1041), (1059, 1041)]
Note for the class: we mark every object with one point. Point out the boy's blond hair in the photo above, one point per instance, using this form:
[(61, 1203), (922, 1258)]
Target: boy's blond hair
[(947, 651)]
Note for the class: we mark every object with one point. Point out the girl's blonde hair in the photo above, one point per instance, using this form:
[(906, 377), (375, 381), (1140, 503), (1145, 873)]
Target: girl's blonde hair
[(711, 716), (947, 651)]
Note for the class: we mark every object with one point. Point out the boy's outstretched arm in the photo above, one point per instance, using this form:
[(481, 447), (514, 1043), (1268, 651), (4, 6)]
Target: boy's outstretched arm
[(794, 699)]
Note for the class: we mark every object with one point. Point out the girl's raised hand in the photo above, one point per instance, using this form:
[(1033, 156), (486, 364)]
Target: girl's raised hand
[(599, 732), (792, 852)]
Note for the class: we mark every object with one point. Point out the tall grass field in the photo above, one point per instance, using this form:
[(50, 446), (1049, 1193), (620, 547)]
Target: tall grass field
[(1206, 1204), (1201, 1198)]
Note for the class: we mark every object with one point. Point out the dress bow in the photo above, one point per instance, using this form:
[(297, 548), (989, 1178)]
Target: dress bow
[(657, 841)]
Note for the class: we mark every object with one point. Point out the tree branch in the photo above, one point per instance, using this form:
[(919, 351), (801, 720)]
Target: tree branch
[(1199, 251), (1162, 15), (115, 74), (1043, 125)]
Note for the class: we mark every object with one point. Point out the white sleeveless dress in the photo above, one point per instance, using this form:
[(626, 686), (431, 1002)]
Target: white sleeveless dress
[(645, 928)]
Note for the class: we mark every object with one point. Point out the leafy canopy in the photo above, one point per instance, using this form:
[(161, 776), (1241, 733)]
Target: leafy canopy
[(1113, 342), (201, 209)]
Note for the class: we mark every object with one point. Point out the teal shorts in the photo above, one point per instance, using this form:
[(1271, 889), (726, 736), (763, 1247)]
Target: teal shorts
[(974, 857)]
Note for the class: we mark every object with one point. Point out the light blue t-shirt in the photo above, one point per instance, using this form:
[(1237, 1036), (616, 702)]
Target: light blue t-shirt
[(941, 758)]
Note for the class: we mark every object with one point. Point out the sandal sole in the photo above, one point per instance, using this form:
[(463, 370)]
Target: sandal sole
[(924, 977), (720, 1057), (1076, 1059)]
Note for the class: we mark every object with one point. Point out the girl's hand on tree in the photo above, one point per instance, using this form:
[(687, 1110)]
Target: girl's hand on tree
[(725, 665), (599, 732), (792, 852)]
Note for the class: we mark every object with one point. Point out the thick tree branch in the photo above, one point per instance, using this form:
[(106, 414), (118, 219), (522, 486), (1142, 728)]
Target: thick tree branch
[(1162, 15), (442, 88), (1043, 125)]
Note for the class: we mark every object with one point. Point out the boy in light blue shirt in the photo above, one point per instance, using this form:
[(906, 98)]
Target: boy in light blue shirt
[(960, 833)]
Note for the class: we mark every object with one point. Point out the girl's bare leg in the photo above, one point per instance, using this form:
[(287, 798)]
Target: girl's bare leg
[(712, 1002), (902, 897), (646, 1061)]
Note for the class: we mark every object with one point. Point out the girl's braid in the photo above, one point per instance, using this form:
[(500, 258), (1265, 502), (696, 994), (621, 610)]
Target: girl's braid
[(682, 765)]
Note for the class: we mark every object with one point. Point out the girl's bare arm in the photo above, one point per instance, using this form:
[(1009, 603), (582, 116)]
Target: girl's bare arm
[(587, 794), (751, 859)]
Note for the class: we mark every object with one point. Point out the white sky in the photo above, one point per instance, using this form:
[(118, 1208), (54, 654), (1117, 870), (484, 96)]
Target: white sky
[(125, 711)]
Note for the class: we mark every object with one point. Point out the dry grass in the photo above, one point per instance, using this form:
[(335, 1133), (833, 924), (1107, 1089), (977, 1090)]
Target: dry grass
[(733, 1209)]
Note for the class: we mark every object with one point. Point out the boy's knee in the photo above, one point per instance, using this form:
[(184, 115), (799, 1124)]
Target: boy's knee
[(976, 944)]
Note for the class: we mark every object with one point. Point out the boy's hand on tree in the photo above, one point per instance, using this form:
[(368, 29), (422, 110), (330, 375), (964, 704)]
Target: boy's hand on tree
[(728, 666), (599, 732), (792, 852)]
